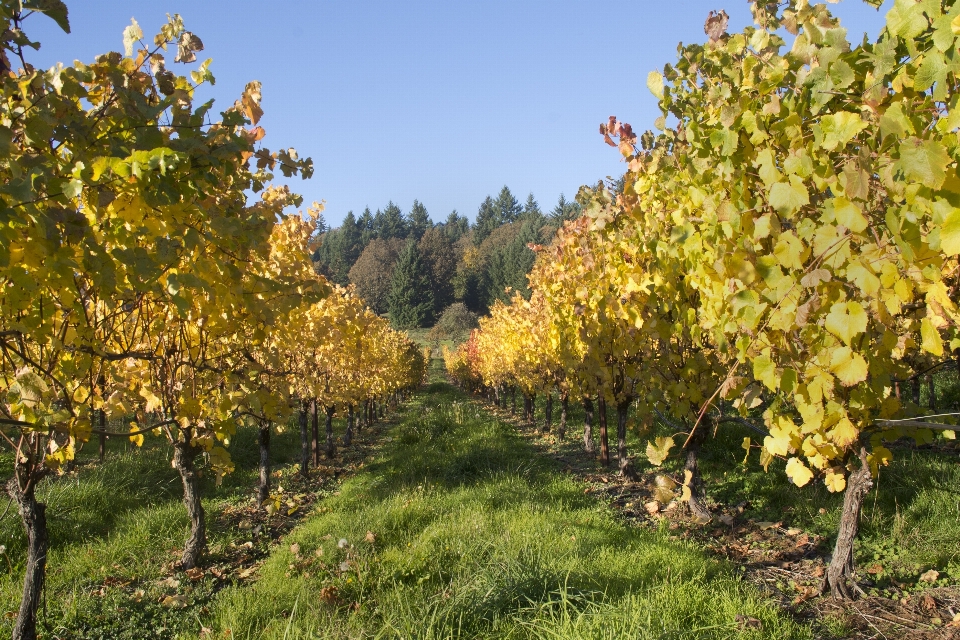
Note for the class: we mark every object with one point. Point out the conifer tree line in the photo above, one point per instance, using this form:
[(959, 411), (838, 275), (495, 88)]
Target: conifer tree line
[(408, 267)]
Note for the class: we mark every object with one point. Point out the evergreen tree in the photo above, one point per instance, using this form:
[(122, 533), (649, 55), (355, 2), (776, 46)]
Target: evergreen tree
[(509, 262), (532, 208), (456, 226), (488, 219), (338, 251), (419, 220), (564, 211), (322, 226), (507, 207), (365, 225), (411, 297), (390, 223)]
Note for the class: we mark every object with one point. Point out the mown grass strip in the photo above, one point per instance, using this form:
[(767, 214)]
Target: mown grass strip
[(461, 530)]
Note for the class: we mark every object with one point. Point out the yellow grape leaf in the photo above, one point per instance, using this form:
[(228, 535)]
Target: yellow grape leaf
[(138, 438), (765, 458), (789, 251), (846, 320), (849, 214), (835, 482), (686, 494), (950, 233), (849, 367), (746, 447), (844, 433), (658, 450), (153, 402), (655, 84), (788, 198), (932, 343), (880, 456), (798, 472)]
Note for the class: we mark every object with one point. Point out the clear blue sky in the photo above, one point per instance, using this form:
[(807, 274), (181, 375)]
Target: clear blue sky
[(442, 101)]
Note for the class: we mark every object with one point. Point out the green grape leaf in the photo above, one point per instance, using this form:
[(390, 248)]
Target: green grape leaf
[(55, 9), (840, 128), (765, 371), (924, 161)]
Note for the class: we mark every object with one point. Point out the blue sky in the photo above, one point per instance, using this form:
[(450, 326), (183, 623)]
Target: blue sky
[(444, 102)]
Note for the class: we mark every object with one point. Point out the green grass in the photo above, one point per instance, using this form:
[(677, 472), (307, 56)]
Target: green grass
[(477, 536), (910, 521), (122, 521)]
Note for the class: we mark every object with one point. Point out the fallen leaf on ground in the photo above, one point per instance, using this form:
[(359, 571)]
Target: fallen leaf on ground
[(174, 602), (747, 622), (930, 576)]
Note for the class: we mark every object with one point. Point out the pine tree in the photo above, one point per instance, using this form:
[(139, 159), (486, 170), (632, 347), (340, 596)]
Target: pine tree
[(411, 297), (507, 207), (564, 211), (456, 226), (488, 219), (390, 223), (532, 207), (338, 251), (365, 225), (419, 220)]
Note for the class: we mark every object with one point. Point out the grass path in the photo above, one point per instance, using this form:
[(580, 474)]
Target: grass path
[(459, 529)]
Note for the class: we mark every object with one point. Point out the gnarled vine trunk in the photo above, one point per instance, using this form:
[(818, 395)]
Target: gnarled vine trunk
[(348, 434), (184, 456), (331, 449), (513, 401), (840, 572), (304, 440), (604, 439), (692, 477), (626, 468), (548, 414), (564, 405), (263, 439), (588, 444), (316, 432), (34, 516)]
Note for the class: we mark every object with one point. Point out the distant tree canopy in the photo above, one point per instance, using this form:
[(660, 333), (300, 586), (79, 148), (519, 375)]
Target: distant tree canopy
[(472, 264), (373, 272)]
